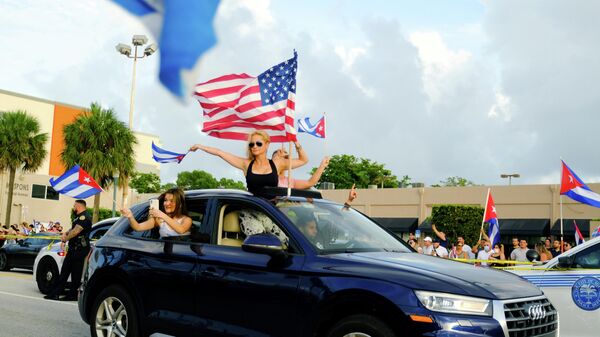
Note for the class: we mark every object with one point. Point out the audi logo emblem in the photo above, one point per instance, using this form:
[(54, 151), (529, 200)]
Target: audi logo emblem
[(536, 311)]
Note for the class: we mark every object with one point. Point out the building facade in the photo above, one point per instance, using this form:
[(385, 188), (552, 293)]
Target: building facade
[(33, 198)]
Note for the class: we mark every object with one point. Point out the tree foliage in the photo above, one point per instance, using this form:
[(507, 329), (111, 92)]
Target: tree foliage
[(102, 145), (21, 147), (199, 179), (458, 220), (455, 181), (145, 182), (346, 170)]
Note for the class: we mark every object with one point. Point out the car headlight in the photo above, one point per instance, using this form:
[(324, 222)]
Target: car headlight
[(454, 304)]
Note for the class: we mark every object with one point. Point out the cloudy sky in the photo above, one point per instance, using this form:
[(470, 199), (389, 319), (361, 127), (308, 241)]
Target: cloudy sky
[(430, 88)]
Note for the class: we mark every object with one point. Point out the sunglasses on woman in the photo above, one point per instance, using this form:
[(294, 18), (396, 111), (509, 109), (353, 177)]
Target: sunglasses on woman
[(258, 144)]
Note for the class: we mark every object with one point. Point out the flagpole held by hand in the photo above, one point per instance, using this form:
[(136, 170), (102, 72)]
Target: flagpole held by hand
[(487, 198)]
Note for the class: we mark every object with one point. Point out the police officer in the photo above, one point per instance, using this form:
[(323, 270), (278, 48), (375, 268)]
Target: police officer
[(79, 247)]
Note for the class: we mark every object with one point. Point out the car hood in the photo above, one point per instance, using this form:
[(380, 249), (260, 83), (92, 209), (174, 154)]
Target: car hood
[(423, 272)]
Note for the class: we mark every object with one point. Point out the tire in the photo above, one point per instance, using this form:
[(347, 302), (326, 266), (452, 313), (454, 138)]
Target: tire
[(46, 275), (361, 325), (3, 261), (122, 318)]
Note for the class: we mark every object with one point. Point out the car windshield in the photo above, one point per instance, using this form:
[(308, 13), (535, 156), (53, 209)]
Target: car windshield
[(333, 228)]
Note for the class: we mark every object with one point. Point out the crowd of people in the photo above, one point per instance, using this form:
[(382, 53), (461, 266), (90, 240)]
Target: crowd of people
[(483, 253), (8, 233)]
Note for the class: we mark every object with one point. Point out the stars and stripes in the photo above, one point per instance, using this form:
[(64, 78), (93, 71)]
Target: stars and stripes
[(576, 189), (238, 104), (491, 217), (76, 183), (164, 156), (317, 129)]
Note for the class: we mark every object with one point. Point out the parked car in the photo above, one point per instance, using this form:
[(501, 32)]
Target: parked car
[(22, 252), (257, 267), (49, 260), (572, 282)]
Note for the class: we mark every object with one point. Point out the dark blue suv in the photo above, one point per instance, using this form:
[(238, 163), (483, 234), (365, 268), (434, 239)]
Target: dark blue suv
[(294, 266)]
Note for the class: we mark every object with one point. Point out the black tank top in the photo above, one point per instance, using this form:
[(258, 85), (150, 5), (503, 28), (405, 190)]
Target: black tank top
[(256, 182)]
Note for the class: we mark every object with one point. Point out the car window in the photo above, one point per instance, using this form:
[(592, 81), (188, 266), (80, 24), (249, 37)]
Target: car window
[(588, 258), (333, 228), (96, 234), (236, 220), (36, 242), (196, 210)]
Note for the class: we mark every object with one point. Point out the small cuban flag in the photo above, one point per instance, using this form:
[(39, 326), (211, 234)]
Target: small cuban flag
[(317, 129), (490, 216), (164, 156), (579, 239), (76, 183), (576, 189)]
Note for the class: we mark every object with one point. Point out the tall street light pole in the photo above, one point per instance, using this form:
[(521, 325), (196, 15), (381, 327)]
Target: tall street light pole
[(137, 41), (510, 176)]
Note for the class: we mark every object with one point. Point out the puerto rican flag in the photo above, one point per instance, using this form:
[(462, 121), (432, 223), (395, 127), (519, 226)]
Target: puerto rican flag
[(317, 129), (576, 189), (578, 236), (490, 216), (76, 183)]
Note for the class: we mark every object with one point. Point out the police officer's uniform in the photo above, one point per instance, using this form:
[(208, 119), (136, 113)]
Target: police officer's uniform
[(79, 248)]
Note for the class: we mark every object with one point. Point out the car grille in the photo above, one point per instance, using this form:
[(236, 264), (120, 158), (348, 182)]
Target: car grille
[(531, 318)]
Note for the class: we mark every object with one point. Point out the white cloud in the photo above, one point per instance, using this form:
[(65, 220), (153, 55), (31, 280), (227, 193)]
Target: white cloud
[(501, 108)]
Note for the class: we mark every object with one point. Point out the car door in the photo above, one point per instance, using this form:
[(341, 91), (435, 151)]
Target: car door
[(241, 293), (576, 293), (164, 273), (30, 250)]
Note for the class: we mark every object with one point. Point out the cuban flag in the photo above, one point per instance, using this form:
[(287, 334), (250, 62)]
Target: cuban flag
[(576, 189), (596, 233), (578, 236), (317, 129), (164, 156), (184, 30), (491, 217), (76, 183)]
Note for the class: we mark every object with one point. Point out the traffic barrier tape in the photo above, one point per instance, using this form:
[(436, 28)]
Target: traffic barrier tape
[(494, 261), (43, 237)]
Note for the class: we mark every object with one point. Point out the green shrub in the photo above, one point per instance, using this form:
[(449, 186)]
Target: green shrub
[(458, 220)]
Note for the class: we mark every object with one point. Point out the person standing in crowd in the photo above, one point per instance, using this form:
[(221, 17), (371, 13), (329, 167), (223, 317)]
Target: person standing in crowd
[(520, 254), (484, 254), (555, 251), (441, 236), (465, 247), (515, 245), (497, 254), (427, 246), (260, 171), (567, 246), (548, 243), (545, 255), (439, 250), (79, 247)]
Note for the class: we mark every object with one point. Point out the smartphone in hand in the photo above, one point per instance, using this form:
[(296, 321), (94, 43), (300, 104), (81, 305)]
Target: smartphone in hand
[(154, 203)]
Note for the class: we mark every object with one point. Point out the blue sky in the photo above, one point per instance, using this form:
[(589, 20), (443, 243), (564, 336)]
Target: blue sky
[(431, 89)]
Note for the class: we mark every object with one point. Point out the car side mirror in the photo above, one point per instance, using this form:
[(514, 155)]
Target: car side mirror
[(263, 243), (565, 262)]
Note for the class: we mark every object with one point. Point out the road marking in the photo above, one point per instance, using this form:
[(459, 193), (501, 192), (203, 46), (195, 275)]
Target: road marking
[(28, 277), (37, 298)]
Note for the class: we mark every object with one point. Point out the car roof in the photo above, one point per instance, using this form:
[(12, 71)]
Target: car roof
[(105, 221), (270, 192)]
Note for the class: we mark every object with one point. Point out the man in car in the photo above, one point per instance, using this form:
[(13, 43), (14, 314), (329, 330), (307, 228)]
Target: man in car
[(79, 247)]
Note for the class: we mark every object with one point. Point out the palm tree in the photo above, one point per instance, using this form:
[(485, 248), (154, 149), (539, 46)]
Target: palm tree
[(21, 147), (102, 145)]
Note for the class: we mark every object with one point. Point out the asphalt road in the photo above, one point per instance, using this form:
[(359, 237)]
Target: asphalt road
[(25, 313)]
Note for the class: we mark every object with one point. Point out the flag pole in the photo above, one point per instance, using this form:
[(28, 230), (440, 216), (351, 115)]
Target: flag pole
[(561, 208), (484, 211), (289, 180)]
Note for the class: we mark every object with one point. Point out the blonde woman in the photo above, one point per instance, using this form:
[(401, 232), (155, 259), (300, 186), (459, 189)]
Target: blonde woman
[(260, 171), (545, 254)]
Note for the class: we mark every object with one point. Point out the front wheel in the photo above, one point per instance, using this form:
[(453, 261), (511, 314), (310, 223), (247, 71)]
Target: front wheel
[(3, 261), (46, 275), (114, 314), (361, 325)]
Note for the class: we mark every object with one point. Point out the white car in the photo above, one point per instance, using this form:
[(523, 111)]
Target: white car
[(49, 260), (572, 283)]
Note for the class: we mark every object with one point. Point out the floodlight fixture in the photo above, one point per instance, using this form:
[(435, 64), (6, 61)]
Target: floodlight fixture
[(124, 49), (139, 40), (151, 49)]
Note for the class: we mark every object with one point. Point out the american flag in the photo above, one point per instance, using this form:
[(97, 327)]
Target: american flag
[(238, 104)]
